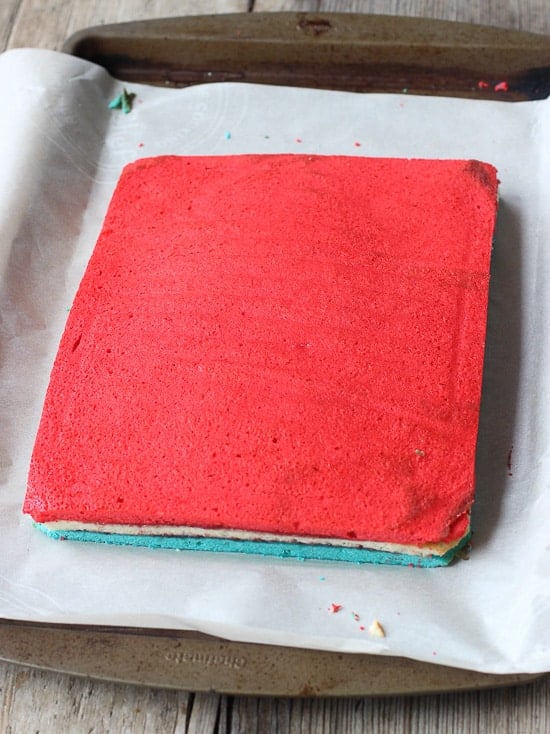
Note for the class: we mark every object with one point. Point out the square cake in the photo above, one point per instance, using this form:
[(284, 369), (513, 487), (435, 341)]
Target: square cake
[(275, 354)]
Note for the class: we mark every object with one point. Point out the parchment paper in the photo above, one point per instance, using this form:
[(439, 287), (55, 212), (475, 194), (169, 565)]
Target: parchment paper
[(61, 151)]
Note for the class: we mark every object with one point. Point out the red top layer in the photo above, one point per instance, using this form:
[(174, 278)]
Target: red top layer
[(289, 344)]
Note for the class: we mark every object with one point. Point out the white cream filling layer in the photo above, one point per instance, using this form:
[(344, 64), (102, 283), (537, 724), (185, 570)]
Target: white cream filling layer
[(429, 549)]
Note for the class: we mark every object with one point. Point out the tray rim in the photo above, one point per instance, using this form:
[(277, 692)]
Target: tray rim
[(338, 50), (196, 661)]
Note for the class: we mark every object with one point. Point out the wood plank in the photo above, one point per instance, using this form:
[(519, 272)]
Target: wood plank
[(35, 700), (509, 710), (526, 15), (8, 13), (205, 713), (47, 25)]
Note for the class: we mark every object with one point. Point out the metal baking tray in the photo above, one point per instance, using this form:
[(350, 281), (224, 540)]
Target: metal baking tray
[(341, 51)]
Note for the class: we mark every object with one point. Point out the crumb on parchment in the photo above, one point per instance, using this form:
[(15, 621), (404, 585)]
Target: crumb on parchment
[(376, 629)]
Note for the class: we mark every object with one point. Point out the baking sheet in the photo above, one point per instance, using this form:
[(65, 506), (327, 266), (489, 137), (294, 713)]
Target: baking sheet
[(62, 150)]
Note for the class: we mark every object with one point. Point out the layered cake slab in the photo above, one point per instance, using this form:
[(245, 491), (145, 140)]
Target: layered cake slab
[(275, 354)]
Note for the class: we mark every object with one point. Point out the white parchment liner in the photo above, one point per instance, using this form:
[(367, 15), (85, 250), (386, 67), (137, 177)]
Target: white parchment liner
[(61, 151)]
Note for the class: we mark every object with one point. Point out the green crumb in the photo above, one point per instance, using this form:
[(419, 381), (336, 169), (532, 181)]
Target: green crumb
[(122, 102)]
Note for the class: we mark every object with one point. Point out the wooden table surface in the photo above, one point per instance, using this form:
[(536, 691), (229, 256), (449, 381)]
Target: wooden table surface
[(38, 701)]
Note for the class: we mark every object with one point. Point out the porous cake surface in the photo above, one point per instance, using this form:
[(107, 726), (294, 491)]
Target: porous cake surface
[(280, 344)]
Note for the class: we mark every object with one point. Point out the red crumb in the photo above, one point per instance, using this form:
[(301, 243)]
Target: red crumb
[(298, 140), (501, 87), (482, 84), (357, 144), (362, 627), (140, 145), (355, 616), (335, 608)]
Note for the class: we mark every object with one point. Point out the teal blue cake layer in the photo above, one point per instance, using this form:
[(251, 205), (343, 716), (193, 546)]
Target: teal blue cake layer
[(300, 551)]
